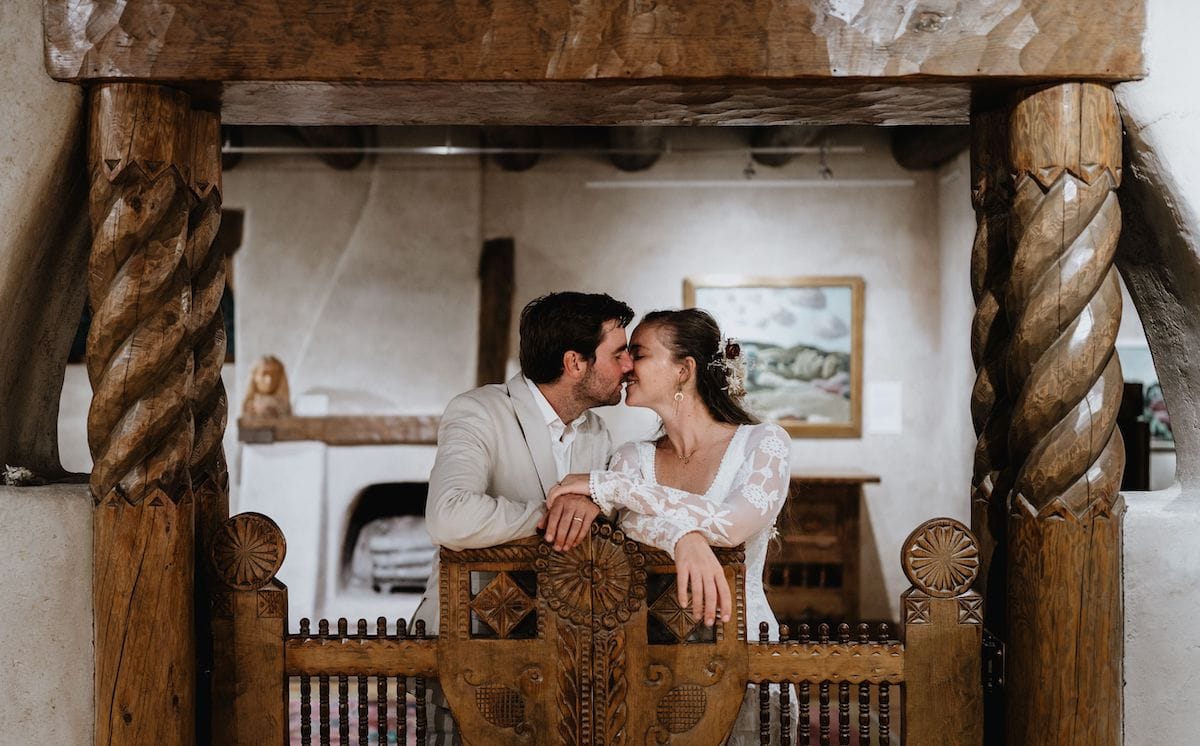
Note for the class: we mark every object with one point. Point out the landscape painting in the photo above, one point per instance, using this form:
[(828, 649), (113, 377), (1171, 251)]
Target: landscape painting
[(802, 339)]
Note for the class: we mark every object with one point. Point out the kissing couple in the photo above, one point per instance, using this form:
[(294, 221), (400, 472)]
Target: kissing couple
[(530, 454)]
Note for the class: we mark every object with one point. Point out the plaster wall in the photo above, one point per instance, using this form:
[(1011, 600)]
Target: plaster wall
[(46, 614), (1160, 262)]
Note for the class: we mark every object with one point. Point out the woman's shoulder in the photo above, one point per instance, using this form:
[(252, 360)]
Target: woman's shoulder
[(631, 451), (768, 436)]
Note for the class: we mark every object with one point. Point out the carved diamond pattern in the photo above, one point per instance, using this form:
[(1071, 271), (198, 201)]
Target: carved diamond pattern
[(502, 604), (679, 620), (970, 610), (916, 610)]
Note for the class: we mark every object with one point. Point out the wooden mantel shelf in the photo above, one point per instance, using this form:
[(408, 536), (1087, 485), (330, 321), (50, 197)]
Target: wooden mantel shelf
[(846, 477), (342, 430)]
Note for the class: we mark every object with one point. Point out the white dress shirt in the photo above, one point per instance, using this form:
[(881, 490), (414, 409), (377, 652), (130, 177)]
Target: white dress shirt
[(561, 436)]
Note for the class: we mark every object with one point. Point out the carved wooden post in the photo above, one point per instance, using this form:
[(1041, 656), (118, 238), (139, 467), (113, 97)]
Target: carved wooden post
[(249, 610), (943, 632), (991, 196), (206, 330), (140, 425), (1064, 306)]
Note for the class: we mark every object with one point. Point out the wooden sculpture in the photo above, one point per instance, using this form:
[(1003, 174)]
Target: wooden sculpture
[(268, 392), (1064, 308)]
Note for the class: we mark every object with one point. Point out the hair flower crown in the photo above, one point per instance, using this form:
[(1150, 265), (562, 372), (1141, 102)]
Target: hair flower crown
[(731, 362)]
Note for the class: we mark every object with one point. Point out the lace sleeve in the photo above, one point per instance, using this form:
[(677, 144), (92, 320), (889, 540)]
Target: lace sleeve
[(662, 515)]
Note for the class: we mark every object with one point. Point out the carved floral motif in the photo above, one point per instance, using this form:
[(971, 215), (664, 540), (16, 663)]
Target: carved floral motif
[(941, 558), (602, 590), (248, 550)]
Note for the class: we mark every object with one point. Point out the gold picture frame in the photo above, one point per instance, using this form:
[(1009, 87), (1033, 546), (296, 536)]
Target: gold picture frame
[(804, 357)]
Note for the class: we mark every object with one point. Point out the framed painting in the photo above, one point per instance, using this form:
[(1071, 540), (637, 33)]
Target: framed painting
[(802, 338)]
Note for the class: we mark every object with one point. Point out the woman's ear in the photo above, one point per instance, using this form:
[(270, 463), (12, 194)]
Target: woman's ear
[(688, 370)]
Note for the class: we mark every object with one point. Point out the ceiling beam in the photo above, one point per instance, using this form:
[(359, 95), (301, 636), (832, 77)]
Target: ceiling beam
[(514, 40)]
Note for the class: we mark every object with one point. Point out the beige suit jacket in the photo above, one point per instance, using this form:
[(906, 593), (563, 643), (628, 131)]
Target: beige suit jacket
[(493, 469)]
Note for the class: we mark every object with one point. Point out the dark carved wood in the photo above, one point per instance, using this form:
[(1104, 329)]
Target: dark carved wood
[(139, 361), (1064, 305), (991, 196), (206, 332), (496, 280)]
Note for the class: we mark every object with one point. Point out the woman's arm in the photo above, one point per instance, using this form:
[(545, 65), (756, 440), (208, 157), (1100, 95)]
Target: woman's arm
[(664, 513)]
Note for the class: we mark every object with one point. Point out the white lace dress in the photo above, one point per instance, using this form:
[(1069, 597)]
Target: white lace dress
[(741, 505)]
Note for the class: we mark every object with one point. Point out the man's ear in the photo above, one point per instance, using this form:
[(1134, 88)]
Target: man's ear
[(574, 364)]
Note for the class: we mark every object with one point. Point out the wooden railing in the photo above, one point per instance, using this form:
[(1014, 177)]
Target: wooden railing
[(591, 646)]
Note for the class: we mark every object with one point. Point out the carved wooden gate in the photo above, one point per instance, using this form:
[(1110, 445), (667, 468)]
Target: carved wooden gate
[(605, 630), (591, 647)]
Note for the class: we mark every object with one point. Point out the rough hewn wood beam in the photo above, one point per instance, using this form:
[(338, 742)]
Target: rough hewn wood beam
[(599, 102), (511, 40)]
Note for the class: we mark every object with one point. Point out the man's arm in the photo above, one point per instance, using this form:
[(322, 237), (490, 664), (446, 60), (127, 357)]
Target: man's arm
[(459, 513)]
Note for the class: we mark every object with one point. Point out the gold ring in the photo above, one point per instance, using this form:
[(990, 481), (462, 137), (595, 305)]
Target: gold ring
[(577, 518)]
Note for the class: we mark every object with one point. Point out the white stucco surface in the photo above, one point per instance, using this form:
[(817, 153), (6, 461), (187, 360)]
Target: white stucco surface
[(1162, 268), (46, 615)]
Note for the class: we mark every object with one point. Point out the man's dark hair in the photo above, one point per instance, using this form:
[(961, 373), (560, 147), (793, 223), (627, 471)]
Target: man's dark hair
[(560, 322)]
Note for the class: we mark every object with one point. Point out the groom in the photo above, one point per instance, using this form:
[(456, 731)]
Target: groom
[(501, 447)]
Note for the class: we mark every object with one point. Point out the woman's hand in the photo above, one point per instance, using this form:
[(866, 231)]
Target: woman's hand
[(698, 570), (572, 484)]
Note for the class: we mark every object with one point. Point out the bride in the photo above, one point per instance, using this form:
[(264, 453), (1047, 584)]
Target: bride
[(714, 476)]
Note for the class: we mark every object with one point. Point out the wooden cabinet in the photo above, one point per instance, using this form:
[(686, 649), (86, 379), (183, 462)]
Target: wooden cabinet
[(812, 571)]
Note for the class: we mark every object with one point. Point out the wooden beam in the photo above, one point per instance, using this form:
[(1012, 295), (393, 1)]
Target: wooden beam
[(599, 102), (511, 40), (496, 279)]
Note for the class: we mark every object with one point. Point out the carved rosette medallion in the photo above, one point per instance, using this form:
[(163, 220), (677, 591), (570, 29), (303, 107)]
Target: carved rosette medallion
[(613, 580), (941, 558), (247, 551)]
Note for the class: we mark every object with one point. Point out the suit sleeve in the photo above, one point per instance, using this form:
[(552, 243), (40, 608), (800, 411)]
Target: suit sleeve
[(459, 512)]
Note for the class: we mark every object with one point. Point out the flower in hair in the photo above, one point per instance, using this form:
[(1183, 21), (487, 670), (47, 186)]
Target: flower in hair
[(729, 359)]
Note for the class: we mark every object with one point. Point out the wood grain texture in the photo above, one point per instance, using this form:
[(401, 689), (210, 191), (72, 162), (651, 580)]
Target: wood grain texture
[(991, 410), (943, 634), (376, 40), (341, 430), (140, 361), (1064, 534), (598, 102)]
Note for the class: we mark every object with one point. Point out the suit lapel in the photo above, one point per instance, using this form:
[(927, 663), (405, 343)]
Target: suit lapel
[(533, 427)]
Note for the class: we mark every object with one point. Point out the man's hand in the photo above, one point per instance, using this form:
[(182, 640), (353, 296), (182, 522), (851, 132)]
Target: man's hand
[(572, 484), (697, 568), (568, 520)]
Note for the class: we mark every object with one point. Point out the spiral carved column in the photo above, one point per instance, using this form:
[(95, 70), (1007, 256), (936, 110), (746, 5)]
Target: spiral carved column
[(140, 363), (206, 329), (1064, 531), (991, 411)]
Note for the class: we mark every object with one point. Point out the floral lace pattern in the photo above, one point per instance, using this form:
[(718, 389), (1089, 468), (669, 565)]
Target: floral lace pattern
[(745, 497)]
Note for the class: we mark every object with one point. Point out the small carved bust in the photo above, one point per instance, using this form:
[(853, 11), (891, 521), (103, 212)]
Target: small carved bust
[(268, 394)]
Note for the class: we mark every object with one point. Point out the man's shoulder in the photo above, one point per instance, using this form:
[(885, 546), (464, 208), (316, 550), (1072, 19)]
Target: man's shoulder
[(493, 399)]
